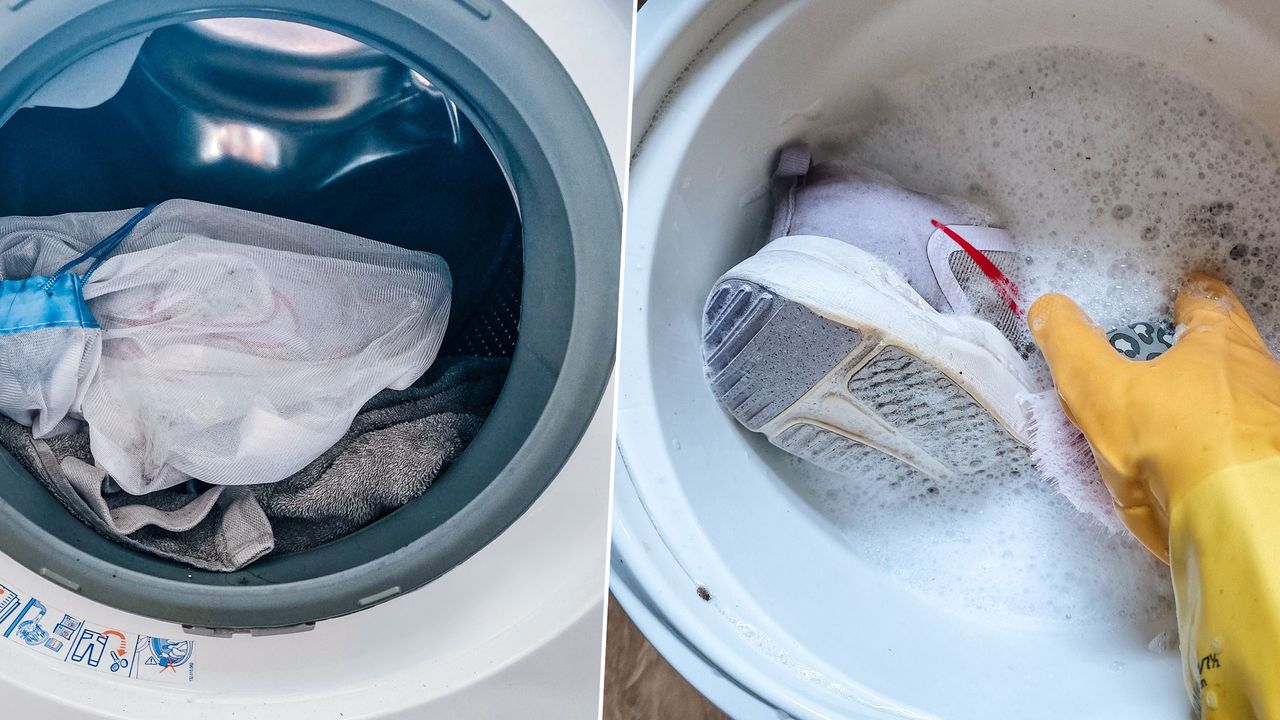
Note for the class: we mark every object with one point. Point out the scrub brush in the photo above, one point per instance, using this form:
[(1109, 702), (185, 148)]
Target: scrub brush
[(1059, 450), (1062, 454)]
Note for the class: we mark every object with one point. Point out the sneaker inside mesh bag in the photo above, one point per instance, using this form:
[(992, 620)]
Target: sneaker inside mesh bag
[(207, 342)]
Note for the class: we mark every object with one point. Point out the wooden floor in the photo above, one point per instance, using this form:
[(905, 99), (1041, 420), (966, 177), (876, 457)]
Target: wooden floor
[(639, 684)]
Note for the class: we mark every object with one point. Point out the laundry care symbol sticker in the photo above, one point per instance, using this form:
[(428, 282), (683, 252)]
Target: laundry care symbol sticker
[(102, 649), (166, 659), (29, 623)]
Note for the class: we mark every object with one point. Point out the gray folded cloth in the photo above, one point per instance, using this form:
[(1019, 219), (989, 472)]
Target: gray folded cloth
[(396, 447), (218, 528)]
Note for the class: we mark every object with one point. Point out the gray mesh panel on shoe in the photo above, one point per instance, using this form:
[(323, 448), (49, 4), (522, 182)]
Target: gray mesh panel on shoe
[(985, 301), (937, 415)]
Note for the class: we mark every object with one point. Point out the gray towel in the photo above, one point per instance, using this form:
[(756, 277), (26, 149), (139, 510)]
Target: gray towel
[(397, 446), (218, 528)]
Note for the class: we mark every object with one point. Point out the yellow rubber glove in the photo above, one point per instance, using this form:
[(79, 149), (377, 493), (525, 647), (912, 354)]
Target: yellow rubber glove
[(1189, 446)]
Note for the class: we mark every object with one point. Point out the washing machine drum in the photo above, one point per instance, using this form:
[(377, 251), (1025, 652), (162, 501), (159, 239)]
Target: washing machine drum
[(414, 127)]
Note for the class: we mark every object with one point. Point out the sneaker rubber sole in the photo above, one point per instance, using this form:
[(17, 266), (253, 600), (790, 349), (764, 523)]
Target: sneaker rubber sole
[(828, 352)]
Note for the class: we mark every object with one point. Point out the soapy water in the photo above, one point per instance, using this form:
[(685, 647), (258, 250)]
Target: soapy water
[(1115, 177), (998, 548)]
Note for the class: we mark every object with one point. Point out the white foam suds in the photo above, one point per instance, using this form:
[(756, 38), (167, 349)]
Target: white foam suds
[(1115, 176), (998, 548)]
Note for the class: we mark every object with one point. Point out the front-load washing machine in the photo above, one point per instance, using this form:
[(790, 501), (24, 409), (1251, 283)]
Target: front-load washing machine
[(491, 133), (751, 570)]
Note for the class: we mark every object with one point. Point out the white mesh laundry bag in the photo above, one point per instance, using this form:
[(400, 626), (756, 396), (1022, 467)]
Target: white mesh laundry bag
[(207, 342)]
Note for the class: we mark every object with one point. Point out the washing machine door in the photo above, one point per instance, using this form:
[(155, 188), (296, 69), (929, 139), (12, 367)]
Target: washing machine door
[(485, 59)]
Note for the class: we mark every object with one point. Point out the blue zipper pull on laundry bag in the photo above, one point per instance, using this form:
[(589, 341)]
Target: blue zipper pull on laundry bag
[(50, 343)]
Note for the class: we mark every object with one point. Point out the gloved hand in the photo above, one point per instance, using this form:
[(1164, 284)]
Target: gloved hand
[(1189, 446)]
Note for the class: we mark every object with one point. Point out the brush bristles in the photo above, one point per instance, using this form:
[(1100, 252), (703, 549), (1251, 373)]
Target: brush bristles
[(1062, 455)]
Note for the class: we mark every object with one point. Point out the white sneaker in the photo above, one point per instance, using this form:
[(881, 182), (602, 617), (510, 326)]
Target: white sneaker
[(862, 331), (826, 350), (865, 336)]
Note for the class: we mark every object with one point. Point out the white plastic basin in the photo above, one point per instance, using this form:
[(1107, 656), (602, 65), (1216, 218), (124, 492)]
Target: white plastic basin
[(800, 615)]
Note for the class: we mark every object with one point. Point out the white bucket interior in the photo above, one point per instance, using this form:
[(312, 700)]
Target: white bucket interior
[(805, 608)]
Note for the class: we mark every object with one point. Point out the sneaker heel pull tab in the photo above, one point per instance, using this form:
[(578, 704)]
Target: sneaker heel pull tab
[(793, 164), (1006, 287)]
